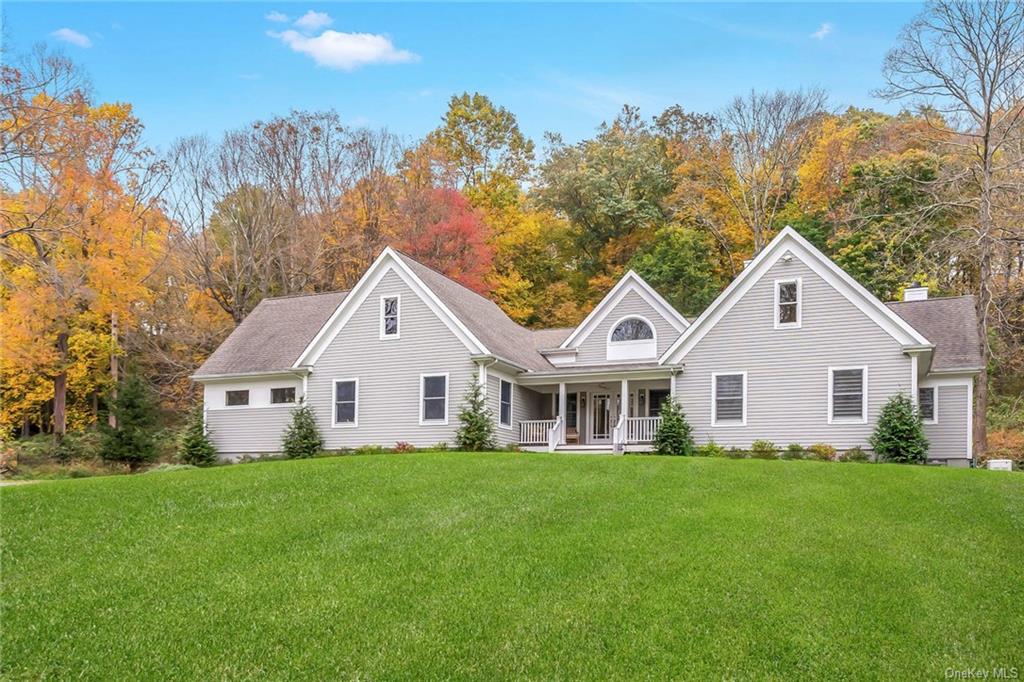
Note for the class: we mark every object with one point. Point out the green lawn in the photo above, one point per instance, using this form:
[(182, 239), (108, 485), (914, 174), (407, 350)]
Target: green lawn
[(515, 565)]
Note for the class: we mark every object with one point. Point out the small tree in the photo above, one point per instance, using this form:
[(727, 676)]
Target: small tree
[(898, 435), (195, 446), (673, 436), (302, 439), (477, 430), (131, 441)]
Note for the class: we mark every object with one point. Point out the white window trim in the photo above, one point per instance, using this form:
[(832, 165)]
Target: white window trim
[(864, 397), (270, 397), (398, 334), (714, 399), (650, 325), (511, 403), (799, 303), (335, 424), (248, 402), (447, 390), (935, 404)]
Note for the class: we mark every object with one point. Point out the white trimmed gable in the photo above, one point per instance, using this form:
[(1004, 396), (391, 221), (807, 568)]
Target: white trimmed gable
[(630, 299), (788, 244), (387, 262)]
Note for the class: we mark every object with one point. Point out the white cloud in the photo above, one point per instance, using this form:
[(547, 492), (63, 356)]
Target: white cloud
[(822, 31), (277, 17), (72, 36), (311, 21), (345, 51)]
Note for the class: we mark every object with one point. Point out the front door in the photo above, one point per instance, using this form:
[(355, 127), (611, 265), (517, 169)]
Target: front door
[(600, 418)]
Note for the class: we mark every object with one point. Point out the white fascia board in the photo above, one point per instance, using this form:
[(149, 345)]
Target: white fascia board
[(629, 282), (387, 261), (269, 374), (789, 239)]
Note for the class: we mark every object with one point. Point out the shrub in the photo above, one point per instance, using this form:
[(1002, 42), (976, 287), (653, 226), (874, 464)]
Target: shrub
[(710, 449), (763, 449), (302, 439), (131, 441), (369, 449), (442, 446), (821, 452), (898, 435), (80, 445), (793, 451), (477, 426), (736, 453), (194, 445), (403, 446), (674, 433), (856, 454)]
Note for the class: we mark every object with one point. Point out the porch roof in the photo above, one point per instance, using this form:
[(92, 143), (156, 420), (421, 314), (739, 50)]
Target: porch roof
[(631, 370)]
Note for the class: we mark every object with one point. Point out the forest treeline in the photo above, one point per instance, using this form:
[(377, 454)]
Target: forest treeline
[(117, 256)]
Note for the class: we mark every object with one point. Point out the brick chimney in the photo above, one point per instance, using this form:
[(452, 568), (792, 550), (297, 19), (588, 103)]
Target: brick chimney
[(915, 292)]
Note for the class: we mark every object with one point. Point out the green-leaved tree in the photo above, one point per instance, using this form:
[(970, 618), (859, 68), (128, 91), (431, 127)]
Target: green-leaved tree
[(674, 435), (476, 431), (302, 439), (132, 440), (898, 435), (195, 446)]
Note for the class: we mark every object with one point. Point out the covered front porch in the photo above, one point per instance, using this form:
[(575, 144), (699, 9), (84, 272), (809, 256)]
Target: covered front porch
[(609, 409)]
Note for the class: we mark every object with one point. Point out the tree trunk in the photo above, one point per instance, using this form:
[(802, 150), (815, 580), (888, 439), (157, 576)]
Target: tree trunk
[(981, 385), (60, 388), (111, 417)]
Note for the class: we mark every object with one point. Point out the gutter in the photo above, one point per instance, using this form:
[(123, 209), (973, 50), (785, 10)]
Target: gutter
[(200, 378)]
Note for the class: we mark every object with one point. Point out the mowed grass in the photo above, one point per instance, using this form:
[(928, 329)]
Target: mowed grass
[(446, 565)]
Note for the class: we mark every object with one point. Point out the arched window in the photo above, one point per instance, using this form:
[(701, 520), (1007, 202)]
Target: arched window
[(632, 329)]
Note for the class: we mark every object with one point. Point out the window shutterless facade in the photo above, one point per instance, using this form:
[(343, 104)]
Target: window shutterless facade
[(729, 399), (279, 396), (927, 404), (389, 316), (847, 394), (433, 399), (346, 402), (236, 398), (505, 403), (788, 304)]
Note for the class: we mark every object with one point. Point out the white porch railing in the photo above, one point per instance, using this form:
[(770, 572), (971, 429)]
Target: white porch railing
[(536, 431), (555, 435), (641, 429)]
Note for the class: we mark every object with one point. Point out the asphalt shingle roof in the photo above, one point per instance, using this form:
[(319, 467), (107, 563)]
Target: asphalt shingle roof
[(273, 335), (949, 323)]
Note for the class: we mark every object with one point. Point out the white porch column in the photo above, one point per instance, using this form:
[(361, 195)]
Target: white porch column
[(672, 385), (561, 410), (624, 401)]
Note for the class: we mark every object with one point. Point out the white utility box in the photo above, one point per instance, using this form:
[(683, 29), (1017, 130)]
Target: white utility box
[(1000, 464)]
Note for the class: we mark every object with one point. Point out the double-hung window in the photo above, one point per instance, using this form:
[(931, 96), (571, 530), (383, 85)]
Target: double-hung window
[(927, 404), (729, 399), (236, 398), (505, 403), (389, 317), (346, 402), (434, 398), (787, 303), (847, 394)]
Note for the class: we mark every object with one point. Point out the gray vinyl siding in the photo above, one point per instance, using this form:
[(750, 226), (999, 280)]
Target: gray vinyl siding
[(389, 373), (594, 346), (947, 439), (526, 404), (247, 431), (787, 369)]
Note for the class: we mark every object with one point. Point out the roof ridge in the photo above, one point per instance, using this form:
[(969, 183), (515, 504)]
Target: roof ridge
[(934, 298), (304, 295)]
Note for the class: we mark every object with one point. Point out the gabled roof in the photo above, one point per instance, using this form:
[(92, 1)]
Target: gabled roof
[(272, 336), (499, 333), (790, 240), (629, 282), (950, 324)]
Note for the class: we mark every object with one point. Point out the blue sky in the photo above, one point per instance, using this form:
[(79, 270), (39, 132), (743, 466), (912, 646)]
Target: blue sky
[(206, 68)]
